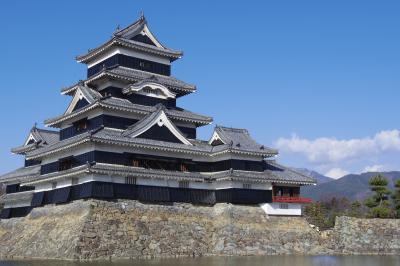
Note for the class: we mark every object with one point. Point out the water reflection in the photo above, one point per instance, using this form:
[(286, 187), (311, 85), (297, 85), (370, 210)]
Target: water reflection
[(233, 261)]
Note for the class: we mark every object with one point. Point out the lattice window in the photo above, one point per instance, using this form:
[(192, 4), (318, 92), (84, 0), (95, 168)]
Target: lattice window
[(135, 163), (184, 168), (184, 184), (130, 180), (246, 186)]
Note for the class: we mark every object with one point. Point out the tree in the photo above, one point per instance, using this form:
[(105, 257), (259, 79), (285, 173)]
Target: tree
[(317, 214), (379, 203), (396, 198), (355, 209)]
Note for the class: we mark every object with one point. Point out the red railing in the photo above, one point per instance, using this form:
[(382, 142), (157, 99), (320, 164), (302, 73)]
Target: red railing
[(295, 199)]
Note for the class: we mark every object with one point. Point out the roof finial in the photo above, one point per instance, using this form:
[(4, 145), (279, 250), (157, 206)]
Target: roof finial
[(35, 125), (118, 27), (141, 14)]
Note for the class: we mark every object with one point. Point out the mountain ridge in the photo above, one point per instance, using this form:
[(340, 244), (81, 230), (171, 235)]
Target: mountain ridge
[(352, 186)]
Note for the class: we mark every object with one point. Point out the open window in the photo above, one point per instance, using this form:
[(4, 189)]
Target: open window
[(81, 125), (184, 167), (65, 164)]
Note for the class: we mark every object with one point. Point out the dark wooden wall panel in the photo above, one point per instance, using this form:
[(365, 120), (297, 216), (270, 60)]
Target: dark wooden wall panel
[(130, 62)]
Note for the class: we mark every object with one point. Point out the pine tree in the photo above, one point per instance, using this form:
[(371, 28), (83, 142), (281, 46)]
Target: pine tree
[(379, 203)]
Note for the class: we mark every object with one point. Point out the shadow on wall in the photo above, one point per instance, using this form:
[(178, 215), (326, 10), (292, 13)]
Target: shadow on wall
[(2, 192)]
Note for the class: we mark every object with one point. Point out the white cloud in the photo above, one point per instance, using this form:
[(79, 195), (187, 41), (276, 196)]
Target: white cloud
[(336, 173), (332, 150), (375, 168)]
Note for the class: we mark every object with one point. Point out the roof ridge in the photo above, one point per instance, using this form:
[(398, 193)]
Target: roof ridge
[(142, 20), (240, 130), (48, 131)]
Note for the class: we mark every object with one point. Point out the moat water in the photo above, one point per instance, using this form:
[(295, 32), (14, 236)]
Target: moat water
[(233, 261)]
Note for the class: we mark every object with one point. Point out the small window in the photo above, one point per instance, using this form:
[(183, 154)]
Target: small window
[(246, 186), (130, 180), (65, 164), (81, 125), (283, 206), (145, 65), (135, 163), (184, 184), (74, 181), (54, 185), (184, 168)]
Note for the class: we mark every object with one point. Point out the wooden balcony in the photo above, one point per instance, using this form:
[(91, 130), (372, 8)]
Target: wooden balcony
[(294, 199)]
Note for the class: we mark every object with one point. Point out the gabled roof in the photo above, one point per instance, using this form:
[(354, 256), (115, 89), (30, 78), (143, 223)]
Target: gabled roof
[(124, 105), (37, 138), (82, 92), (159, 118), (237, 138), (139, 27), (130, 76), (126, 38), (21, 174)]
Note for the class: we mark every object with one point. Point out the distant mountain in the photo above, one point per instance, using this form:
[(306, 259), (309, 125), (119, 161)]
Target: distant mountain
[(353, 187), (319, 177)]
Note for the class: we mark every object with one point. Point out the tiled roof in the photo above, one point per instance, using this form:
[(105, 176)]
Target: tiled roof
[(274, 172), (130, 75), (277, 174), (116, 137), (124, 38), (21, 174), (240, 139), (90, 94), (41, 137), (122, 42), (127, 106)]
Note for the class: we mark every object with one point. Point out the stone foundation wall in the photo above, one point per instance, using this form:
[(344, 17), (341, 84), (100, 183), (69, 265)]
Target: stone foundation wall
[(365, 236), (96, 229), (48, 232)]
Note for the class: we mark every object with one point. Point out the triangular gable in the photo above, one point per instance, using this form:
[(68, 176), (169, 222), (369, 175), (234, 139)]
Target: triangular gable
[(33, 137), (30, 140), (143, 38), (159, 127), (77, 102), (140, 32), (216, 140), (161, 133), (83, 96)]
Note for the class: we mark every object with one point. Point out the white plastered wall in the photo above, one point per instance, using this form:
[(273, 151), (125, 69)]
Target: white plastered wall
[(293, 209)]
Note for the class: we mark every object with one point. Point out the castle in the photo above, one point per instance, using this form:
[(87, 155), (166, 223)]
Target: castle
[(123, 136)]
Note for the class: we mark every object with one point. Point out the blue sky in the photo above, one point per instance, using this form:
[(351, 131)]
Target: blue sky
[(320, 80)]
